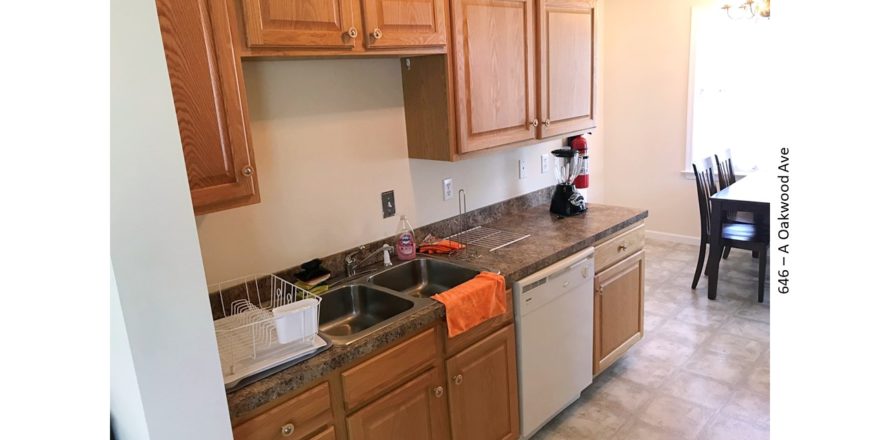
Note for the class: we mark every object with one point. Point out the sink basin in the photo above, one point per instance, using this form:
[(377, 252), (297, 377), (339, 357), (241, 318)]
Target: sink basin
[(424, 277), (351, 310)]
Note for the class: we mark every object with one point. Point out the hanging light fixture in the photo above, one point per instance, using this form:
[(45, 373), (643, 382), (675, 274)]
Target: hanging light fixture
[(748, 9)]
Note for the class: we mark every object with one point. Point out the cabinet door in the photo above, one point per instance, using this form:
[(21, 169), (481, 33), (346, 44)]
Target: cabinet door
[(494, 72), (618, 308), (404, 23), (208, 88), (565, 30), (416, 411), (301, 23), (483, 395)]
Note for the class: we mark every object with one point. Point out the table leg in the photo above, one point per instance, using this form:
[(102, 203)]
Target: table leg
[(715, 247)]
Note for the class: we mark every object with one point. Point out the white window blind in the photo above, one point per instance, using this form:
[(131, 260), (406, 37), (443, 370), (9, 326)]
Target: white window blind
[(730, 104)]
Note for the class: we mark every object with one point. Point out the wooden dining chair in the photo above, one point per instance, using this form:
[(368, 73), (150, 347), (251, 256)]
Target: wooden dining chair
[(736, 235), (727, 177)]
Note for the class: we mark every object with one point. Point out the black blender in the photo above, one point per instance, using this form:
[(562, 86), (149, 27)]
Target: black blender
[(566, 200)]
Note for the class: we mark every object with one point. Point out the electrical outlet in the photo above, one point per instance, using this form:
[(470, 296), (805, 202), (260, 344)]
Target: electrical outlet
[(545, 163), (388, 208), (447, 188), (522, 169)]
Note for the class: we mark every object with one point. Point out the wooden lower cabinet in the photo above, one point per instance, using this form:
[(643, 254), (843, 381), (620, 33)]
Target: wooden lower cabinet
[(415, 410), (307, 416), (619, 303), (483, 395)]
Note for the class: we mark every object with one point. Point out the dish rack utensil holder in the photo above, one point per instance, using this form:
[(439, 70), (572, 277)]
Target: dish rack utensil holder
[(247, 334)]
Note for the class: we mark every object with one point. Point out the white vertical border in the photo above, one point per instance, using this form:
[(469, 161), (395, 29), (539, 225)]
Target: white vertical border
[(695, 12)]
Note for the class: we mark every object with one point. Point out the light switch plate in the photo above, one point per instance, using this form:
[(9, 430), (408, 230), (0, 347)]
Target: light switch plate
[(388, 208), (522, 169), (545, 163), (447, 188)]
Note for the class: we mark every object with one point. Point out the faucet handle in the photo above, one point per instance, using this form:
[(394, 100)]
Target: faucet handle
[(349, 258)]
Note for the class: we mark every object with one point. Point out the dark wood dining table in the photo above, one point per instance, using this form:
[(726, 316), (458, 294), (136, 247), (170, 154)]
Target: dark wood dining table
[(749, 194)]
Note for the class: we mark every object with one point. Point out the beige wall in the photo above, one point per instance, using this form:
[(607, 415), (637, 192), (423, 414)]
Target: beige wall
[(646, 47), (329, 136)]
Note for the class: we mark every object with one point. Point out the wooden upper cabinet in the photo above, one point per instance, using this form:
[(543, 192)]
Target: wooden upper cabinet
[(483, 395), (404, 23), (301, 23), (494, 72), (414, 411), (208, 88), (565, 34)]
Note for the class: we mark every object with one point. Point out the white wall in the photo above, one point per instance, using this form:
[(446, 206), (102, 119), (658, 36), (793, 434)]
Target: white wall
[(646, 51), (154, 250), (329, 136), (127, 411)]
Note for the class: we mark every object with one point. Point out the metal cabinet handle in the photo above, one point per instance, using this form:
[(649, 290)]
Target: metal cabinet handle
[(534, 122), (622, 247), (546, 122), (377, 33), (458, 379), (287, 430), (352, 32), (438, 392), (247, 171)]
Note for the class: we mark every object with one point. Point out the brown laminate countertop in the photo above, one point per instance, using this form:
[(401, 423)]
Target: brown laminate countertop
[(552, 239)]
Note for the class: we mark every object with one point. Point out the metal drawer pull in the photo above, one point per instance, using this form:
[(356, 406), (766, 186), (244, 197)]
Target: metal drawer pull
[(352, 32), (458, 379), (546, 122), (622, 247), (534, 122), (438, 392), (247, 171), (377, 33), (287, 430)]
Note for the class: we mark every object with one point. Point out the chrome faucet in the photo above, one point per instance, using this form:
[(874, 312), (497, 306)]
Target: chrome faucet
[(351, 263)]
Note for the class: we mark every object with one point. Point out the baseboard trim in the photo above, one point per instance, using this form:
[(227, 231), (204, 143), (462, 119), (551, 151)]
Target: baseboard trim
[(677, 238)]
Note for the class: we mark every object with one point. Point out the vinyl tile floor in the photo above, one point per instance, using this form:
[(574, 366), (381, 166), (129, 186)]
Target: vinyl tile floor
[(702, 371)]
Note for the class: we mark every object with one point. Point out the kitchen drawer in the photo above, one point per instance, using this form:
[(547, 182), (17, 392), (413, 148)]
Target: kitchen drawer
[(380, 373), (298, 418), (619, 247), (327, 434)]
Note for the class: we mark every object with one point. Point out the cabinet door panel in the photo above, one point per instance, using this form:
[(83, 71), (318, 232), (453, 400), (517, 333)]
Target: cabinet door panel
[(483, 395), (405, 23), (618, 310), (566, 60), (300, 23), (208, 89), (494, 65), (413, 411)]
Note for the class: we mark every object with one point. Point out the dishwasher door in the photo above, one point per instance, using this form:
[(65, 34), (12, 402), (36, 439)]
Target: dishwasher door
[(554, 317)]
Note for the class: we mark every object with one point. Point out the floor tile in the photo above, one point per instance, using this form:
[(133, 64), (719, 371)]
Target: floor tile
[(691, 334), (644, 370), (736, 346), (677, 415), (747, 328), (665, 349), (759, 380), (749, 407), (719, 366), (638, 430), (698, 389), (726, 428)]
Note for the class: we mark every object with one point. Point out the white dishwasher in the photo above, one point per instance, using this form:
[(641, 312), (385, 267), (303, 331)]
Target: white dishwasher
[(554, 338)]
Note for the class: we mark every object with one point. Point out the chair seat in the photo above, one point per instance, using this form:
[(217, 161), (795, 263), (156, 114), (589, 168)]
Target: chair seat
[(741, 217), (745, 232)]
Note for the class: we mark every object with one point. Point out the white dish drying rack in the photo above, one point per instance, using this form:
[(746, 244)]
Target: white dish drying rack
[(257, 309)]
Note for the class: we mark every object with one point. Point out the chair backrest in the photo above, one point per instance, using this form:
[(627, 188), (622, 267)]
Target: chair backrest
[(705, 189), (726, 177)]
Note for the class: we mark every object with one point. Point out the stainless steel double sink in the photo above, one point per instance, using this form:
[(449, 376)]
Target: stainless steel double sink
[(364, 305)]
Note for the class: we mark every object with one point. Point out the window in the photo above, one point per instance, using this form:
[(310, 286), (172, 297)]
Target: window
[(730, 105)]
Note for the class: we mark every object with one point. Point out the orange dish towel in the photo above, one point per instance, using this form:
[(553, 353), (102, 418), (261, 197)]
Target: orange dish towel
[(473, 302)]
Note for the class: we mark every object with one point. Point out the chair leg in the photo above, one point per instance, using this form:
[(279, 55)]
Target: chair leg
[(700, 259), (726, 252), (762, 272)]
